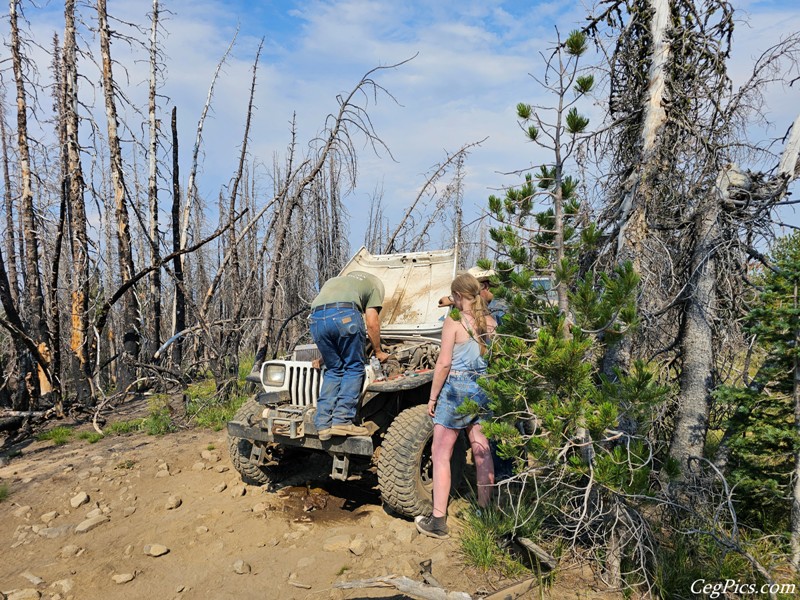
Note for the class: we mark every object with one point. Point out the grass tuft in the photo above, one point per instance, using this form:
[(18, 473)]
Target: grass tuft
[(159, 421), (484, 541), (90, 436), (57, 435), (5, 492), (124, 427)]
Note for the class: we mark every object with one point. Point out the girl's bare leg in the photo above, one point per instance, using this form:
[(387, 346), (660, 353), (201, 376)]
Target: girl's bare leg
[(484, 467), (442, 451)]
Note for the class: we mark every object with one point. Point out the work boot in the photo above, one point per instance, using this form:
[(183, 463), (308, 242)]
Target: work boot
[(349, 429), (324, 434), (432, 526)]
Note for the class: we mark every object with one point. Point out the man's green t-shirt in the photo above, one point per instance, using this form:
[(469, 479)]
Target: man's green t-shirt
[(364, 289)]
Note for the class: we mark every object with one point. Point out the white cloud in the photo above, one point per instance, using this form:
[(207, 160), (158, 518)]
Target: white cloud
[(472, 68)]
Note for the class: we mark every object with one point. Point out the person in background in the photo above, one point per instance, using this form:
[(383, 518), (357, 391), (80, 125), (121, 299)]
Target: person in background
[(497, 307), (338, 329), (459, 366), (503, 467)]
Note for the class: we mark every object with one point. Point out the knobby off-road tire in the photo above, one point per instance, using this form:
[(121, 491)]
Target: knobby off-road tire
[(405, 470), (240, 448)]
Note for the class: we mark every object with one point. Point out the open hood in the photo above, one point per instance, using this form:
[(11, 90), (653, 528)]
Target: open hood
[(414, 282)]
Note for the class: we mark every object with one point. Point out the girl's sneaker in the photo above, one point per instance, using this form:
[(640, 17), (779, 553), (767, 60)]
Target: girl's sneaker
[(432, 526)]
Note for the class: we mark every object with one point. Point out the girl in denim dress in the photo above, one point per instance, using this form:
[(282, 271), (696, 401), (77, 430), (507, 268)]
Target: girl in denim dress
[(459, 366)]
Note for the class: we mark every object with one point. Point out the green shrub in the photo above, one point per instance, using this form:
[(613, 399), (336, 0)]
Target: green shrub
[(159, 421), (123, 427), (485, 538), (90, 436), (214, 416), (4, 492), (57, 435), (245, 366)]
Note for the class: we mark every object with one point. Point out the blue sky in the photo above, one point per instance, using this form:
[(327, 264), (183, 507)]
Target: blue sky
[(473, 64)]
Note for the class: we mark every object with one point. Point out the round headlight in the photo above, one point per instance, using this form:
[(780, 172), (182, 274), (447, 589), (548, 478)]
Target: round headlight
[(274, 375)]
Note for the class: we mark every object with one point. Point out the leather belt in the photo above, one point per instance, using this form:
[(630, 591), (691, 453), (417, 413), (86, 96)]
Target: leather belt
[(335, 305)]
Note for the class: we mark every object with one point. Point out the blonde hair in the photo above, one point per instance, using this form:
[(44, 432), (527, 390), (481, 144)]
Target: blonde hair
[(469, 288)]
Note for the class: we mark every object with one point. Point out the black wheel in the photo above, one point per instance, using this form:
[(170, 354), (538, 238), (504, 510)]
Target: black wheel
[(241, 449), (405, 469)]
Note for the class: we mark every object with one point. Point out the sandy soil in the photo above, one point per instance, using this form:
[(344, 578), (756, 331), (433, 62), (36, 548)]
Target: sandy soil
[(223, 539)]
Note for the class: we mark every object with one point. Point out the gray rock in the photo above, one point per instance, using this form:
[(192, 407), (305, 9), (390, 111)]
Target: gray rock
[(358, 546), (123, 578), (260, 507), (49, 516), (128, 511), (52, 533), (336, 543), (79, 499), (155, 550), (209, 456), (65, 586), (162, 473), (221, 487), (221, 469), (405, 535), (173, 502), (201, 530), (90, 524), (238, 491), (22, 511), (241, 567), (199, 466), (163, 467), (69, 551), (32, 578), (94, 513)]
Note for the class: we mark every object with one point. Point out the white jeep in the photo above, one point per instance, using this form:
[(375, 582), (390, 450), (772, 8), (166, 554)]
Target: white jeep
[(394, 410)]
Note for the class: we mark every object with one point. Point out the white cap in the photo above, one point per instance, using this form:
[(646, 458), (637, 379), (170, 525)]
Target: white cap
[(481, 274)]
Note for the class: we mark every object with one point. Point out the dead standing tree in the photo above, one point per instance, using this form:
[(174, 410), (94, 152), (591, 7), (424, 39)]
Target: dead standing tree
[(34, 301), (683, 207), (179, 313), (336, 142), (152, 188), (74, 186), (131, 317)]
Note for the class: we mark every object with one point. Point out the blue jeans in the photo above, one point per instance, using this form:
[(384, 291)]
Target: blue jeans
[(340, 335)]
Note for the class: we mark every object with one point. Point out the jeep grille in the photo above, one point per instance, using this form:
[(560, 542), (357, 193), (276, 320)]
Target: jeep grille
[(304, 383)]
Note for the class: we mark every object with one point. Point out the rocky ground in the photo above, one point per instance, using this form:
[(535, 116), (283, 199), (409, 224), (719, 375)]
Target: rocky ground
[(154, 518)]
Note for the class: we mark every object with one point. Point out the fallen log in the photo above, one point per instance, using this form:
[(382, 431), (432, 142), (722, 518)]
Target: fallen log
[(546, 560), (10, 423), (406, 586)]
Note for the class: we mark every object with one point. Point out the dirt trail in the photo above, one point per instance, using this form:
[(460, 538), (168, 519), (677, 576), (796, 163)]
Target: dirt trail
[(223, 539)]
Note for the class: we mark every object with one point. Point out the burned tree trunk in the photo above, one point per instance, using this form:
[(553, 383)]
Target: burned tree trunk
[(179, 306), (34, 312), (152, 193), (8, 201), (131, 326), (79, 243)]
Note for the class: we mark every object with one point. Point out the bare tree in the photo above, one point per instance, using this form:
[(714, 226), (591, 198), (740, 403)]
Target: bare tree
[(33, 282), (335, 143), (152, 188), (131, 327), (676, 135)]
